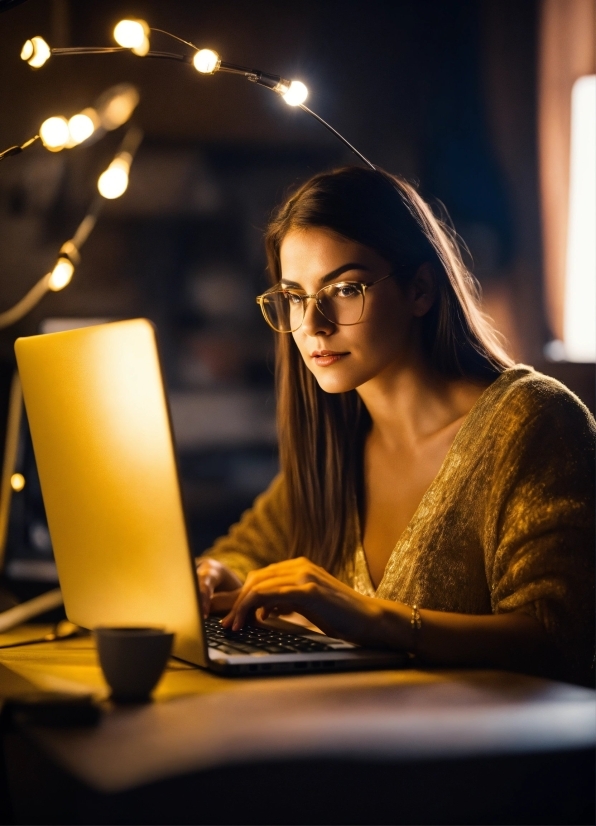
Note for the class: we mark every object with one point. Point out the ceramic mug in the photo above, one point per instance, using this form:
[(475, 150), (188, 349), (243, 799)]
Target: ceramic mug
[(132, 660)]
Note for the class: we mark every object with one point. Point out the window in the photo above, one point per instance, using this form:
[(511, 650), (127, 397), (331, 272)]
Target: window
[(580, 281)]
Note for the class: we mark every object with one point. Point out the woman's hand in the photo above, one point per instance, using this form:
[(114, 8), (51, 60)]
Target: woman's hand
[(513, 641), (219, 586), (299, 585)]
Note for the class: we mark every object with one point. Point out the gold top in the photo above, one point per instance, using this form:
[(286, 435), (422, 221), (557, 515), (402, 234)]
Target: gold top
[(507, 524)]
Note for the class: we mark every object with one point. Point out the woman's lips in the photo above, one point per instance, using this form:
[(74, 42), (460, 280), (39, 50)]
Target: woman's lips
[(324, 358)]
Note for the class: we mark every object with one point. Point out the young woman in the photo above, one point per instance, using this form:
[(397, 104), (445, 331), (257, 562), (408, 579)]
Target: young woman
[(433, 496)]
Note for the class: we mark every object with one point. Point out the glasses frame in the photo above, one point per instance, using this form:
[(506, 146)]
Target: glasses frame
[(306, 297)]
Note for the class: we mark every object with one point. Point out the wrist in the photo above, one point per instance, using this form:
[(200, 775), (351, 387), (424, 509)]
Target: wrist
[(389, 624)]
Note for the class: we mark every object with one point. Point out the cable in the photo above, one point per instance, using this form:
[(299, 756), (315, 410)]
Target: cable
[(26, 304), (270, 81), (32, 608), (16, 150), (337, 135), (179, 39), (69, 253)]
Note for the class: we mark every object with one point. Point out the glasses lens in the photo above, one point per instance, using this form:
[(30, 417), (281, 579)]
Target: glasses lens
[(342, 303), (284, 310)]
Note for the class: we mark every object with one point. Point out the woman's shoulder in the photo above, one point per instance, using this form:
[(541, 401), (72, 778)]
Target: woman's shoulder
[(527, 416), (527, 397)]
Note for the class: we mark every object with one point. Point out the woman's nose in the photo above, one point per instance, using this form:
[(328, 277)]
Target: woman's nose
[(315, 323)]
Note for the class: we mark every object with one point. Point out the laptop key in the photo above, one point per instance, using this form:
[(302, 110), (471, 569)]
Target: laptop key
[(236, 649)]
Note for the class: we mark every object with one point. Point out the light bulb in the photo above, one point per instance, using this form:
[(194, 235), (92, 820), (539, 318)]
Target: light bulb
[(36, 52), (17, 482), (54, 133), (116, 105), (61, 275), (114, 181), (295, 94), (134, 35), (142, 50), (206, 61), (82, 126)]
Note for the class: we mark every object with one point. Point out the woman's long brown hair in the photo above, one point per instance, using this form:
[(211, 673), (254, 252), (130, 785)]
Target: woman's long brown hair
[(321, 435)]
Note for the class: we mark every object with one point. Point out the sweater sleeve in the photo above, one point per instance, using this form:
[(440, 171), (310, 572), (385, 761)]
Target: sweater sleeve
[(542, 554), (260, 537)]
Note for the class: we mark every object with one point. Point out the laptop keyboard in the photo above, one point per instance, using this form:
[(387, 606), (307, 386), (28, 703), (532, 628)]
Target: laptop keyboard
[(254, 639)]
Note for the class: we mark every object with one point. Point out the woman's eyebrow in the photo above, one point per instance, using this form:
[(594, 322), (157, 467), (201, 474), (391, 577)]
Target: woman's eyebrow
[(331, 276)]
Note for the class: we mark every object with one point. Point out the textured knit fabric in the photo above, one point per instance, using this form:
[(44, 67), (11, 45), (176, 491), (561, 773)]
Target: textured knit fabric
[(507, 524)]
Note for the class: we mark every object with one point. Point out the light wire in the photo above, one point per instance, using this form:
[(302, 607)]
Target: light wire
[(130, 144), (16, 150), (266, 79)]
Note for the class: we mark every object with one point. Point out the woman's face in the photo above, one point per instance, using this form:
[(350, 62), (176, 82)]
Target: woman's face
[(343, 357)]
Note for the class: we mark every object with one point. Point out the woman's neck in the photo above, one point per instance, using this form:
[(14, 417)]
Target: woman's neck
[(411, 403)]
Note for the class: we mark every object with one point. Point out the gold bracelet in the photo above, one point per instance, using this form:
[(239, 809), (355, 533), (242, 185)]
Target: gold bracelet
[(415, 625)]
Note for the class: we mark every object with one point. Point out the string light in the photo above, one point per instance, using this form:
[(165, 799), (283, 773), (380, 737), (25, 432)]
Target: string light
[(54, 133), (69, 254), (36, 52), (113, 182), (116, 105), (17, 482), (206, 61), (134, 35), (295, 94), (61, 275), (83, 125), (111, 110)]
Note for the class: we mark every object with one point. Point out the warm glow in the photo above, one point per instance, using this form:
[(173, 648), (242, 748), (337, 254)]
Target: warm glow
[(36, 52), (580, 282), (116, 109), (27, 50), (17, 481), (206, 61), (54, 133), (114, 181), (133, 34), (61, 275), (142, 50), (82, 126), (295, 94)]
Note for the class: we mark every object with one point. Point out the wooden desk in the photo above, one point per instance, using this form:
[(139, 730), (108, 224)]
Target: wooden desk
[(392, 746)]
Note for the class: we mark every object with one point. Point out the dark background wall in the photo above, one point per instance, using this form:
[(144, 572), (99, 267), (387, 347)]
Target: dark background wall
[(441, 91)]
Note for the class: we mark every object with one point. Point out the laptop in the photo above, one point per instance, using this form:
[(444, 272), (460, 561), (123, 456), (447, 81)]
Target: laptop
[(103, 443)]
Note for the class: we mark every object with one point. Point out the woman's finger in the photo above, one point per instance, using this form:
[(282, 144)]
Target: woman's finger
[(290, 572), (222, 601), (279, 593), (214, 576), (301, 578), (209, 576)]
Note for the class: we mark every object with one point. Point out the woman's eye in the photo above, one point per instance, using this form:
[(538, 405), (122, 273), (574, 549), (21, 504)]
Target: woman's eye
[(345, 291), (291, 298)]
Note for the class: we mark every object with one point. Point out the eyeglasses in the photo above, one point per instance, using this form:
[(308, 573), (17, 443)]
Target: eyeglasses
[(341, 303)]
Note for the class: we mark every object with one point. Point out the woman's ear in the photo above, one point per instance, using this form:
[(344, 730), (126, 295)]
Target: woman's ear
[(423, 289)]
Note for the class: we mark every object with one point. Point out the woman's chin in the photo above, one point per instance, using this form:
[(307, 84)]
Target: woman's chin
[(335, 383)]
